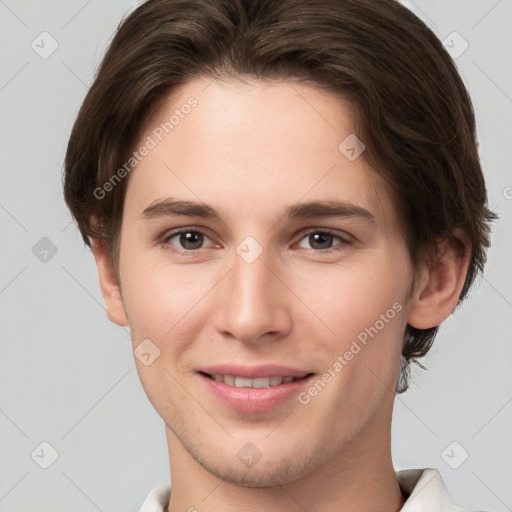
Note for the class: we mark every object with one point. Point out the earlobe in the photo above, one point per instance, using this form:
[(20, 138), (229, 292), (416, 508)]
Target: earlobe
[(440, 286), (109, 286)]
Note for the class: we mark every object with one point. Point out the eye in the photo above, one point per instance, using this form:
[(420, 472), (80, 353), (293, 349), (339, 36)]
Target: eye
[(322, 240), (187, 240)]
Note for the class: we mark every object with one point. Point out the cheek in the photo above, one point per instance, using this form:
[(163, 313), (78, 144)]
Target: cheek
[(158, 295), (355, 298), (365, 308), (160, 301)]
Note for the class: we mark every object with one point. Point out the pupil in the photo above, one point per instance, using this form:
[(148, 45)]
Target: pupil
[(191, 240), (319, 240)]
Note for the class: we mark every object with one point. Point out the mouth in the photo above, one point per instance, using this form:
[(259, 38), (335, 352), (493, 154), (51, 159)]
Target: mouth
[(257, 390), (257, 382)]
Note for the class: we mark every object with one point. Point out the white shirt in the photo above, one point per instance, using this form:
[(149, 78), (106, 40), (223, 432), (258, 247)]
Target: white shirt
[(425, 488)]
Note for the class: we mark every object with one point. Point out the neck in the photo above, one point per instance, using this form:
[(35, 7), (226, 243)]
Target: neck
[(361, 477)]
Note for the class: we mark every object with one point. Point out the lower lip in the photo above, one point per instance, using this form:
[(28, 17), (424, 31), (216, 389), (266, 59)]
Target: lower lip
[(254, 399)]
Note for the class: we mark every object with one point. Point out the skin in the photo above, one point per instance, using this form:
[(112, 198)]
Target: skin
[(251, 150)]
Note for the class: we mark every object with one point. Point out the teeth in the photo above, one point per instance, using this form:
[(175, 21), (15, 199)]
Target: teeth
[(261, 382), (229, 379), (275, 381), (242, 382), (258, 382)]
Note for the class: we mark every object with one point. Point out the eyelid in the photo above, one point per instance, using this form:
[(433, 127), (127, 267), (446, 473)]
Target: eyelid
[(345, 240), (342, 235), (164, 239)]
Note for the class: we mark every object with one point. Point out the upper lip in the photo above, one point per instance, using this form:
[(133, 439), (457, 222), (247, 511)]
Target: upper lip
[(252, 372)]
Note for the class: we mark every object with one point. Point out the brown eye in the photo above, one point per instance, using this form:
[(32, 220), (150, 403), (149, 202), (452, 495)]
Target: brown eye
[(323, 241), (320, 240), (187, 240)]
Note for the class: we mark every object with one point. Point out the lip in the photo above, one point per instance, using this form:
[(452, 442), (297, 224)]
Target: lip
[(254, 400), (251, 372)]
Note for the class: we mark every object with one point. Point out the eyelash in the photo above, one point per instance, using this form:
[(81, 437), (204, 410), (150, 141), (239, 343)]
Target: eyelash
[(344, 241)]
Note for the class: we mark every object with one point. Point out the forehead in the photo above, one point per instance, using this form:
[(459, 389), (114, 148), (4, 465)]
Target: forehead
[(240, 145)]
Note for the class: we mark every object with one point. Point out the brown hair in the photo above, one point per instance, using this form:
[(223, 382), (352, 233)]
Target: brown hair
[(415, 115)]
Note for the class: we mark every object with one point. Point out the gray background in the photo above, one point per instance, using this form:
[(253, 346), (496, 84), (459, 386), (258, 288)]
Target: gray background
[(67, 375)]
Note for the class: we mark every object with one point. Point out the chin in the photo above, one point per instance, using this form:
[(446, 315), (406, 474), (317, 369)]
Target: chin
[(265, 473)]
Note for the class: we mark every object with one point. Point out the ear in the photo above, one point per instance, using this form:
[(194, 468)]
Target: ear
[(440, 286), (109, 286)]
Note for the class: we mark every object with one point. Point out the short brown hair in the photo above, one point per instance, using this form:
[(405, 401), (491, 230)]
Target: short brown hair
[(414, 113)]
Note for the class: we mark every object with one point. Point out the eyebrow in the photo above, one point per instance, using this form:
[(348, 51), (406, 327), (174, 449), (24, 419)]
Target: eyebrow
[(299, 211)]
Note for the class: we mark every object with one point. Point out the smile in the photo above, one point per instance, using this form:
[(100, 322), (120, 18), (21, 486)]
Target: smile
[(258, 382), (257, 390)]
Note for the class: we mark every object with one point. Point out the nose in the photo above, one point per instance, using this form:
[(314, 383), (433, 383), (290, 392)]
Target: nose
[(253, 305)]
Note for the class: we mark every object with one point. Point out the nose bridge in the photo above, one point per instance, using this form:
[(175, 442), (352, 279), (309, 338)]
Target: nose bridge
[(251, 302), (252, 279)]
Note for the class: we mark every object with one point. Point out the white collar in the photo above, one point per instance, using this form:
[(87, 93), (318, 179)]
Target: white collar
[(425, 488), (426, 491)]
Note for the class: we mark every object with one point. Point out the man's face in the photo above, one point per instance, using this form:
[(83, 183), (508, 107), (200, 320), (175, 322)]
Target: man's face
[(269, 289)]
